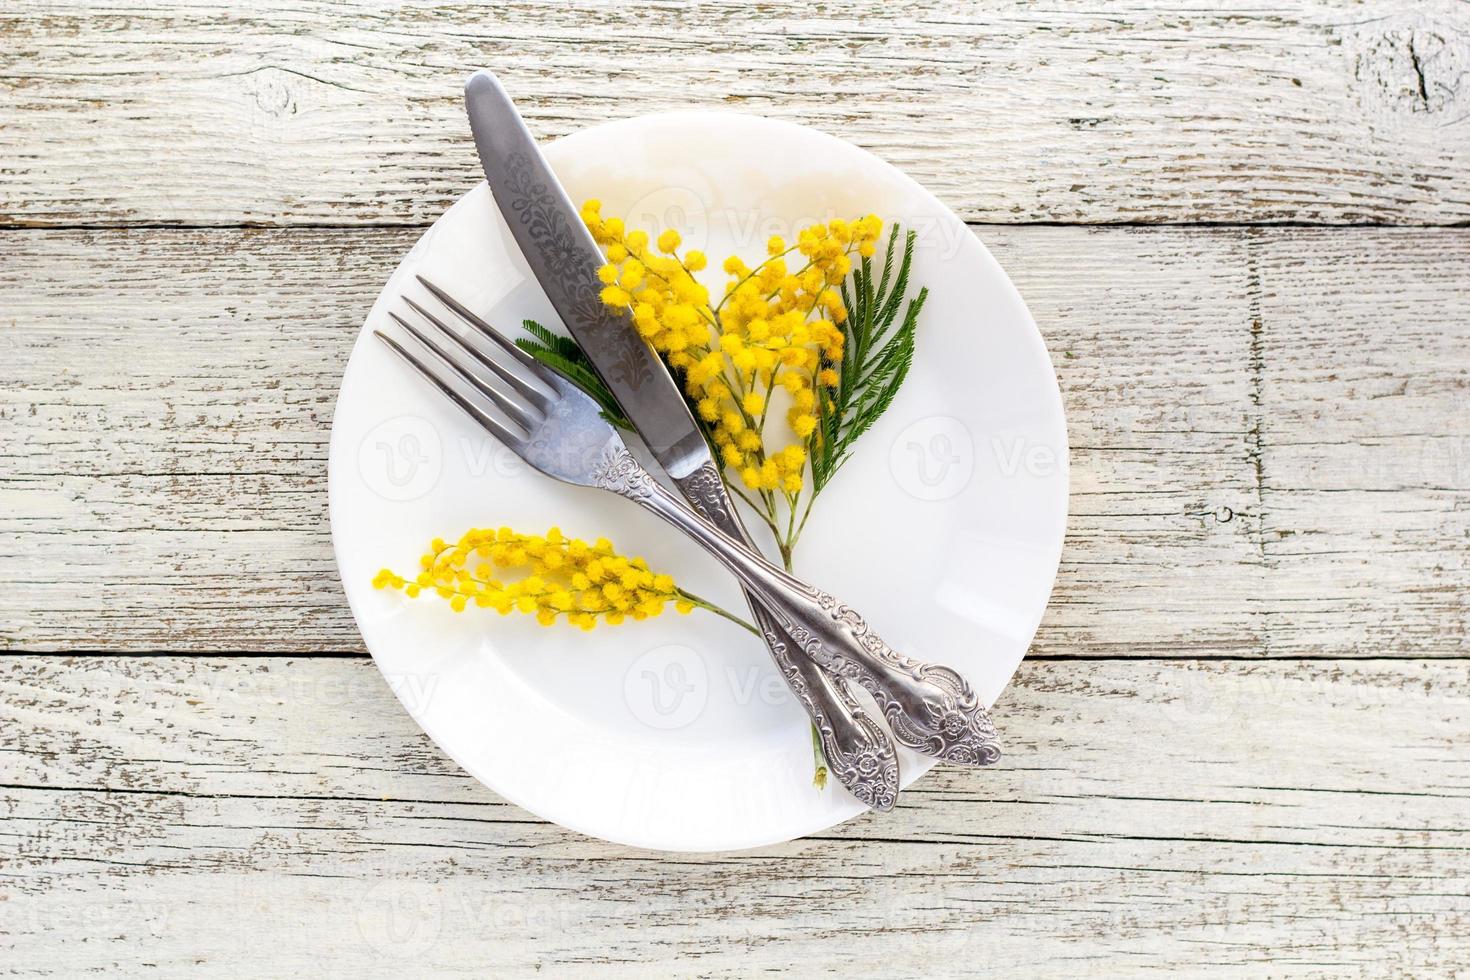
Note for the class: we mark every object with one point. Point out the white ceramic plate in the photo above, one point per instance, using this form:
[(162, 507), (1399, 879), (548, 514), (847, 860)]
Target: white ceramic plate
[(677, 733)]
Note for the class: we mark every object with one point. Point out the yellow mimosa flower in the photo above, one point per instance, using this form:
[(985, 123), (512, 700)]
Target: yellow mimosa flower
[(564, 579)]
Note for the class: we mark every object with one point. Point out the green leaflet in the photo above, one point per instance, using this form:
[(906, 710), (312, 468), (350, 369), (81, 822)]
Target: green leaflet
[(562, 354), (876, 356)]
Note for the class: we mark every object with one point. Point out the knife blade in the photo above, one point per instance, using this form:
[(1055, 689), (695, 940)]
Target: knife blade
[(565, 259)]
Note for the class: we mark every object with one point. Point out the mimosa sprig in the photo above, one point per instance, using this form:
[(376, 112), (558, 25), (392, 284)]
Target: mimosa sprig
[(806, 329), (560, 579)]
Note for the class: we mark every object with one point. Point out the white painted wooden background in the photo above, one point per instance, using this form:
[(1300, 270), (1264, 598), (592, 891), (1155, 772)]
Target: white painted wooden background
[(1241, 745)]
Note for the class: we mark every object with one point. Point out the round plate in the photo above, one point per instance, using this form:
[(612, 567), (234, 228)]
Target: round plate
[(944, 528)]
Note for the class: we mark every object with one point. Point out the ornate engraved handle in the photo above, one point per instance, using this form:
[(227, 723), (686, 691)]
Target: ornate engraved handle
[(931, 708), (859, 752)]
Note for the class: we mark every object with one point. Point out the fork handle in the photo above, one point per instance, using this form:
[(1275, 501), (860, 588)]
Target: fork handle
[(930, 707)]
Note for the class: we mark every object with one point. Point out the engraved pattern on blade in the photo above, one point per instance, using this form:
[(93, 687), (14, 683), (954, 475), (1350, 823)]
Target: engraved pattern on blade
[(950, 724), (540, 214)]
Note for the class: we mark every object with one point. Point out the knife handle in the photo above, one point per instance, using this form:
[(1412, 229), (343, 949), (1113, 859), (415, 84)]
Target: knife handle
[(931, 708)]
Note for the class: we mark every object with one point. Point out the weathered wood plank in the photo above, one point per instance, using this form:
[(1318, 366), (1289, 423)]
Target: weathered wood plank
[(310, 111), (1163, 815), (1364, 440), (168, 399)]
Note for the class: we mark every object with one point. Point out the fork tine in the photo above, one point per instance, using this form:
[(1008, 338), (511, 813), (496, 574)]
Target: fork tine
[(540, 370), (521, 417), (529, 393), (487, 421)]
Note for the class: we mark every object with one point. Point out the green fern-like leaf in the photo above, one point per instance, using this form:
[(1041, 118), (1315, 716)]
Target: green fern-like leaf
[(562, 354), (876, 356)]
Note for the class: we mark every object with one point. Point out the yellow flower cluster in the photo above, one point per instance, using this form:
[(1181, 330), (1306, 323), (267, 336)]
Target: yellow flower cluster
[(564, 579), (776, 328)]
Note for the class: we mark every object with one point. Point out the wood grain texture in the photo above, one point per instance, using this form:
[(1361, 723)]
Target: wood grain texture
[(278, 112), (1270, 451), (1257, 767), (194, 814)]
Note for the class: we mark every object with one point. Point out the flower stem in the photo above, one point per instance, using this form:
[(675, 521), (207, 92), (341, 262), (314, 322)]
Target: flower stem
[(717, 610), (759, 511), (796, 535), (819, 761)]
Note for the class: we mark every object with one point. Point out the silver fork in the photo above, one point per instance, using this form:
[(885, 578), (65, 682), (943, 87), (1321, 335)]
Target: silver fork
[(559, 430)]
